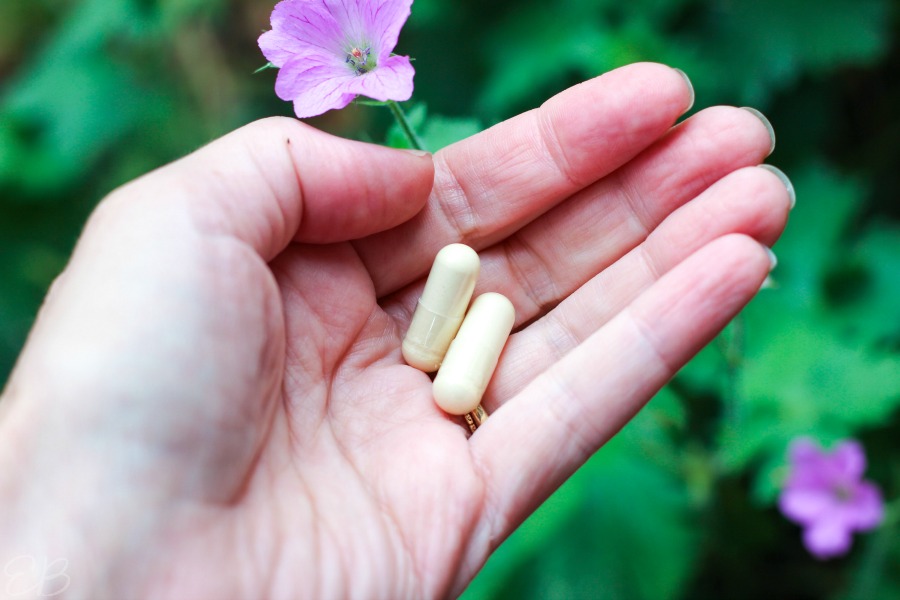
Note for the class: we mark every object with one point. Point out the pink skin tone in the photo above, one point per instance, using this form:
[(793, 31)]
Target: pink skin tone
[(213, 404)]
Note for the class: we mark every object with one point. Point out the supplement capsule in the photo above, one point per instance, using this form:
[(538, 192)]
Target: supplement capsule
[(473, 355), (442, 307)]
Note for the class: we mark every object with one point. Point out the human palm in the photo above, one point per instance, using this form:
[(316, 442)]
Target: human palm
[(241, 423)]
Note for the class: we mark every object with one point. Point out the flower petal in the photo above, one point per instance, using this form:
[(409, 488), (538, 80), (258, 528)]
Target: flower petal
[(809, 465), (827, 539), (279, 48), (328, 98), (806, 505), (391, 80), (310, 41), (309, 24), (804, 450), (350, 17), (315, 86), (296, 76), (849, 459), (387, 18), (867, 507)]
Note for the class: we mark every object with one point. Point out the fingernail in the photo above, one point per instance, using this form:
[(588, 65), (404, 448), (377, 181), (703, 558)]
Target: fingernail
[(415, 152), (690, 86), (784, 179), (765, 122), (773, 260)]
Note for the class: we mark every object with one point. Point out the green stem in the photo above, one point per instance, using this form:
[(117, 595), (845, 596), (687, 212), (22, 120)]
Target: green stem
[(731, 346), (268, 65), (405, 126), (875, 558), (874, 562)]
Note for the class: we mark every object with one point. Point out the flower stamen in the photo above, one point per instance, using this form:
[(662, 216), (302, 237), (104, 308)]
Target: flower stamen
[(358, 59)]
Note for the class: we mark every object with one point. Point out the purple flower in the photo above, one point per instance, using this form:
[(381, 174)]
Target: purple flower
[(825, 494), (330, 51)]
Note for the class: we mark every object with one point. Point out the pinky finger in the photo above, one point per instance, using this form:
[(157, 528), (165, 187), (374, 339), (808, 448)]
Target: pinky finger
[(541, 436)]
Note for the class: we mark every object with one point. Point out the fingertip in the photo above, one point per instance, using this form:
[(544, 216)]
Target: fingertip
[(652, 82), (416, 152), (785, 181), (773, 260), (770, 130), (691, 96), (278, 180), (738, 127), (334, 189), (600, 124), (679, 90), (719, 277), (365, 189), (690, 303), (747, 259)]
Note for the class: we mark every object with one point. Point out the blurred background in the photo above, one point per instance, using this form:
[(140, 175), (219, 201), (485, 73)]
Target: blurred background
[(681, 504)]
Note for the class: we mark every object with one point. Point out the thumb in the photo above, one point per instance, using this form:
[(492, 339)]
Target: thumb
[(163, 329), (278, 180)]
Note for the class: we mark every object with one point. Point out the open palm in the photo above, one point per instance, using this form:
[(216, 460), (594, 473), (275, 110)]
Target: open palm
[(220, 368)]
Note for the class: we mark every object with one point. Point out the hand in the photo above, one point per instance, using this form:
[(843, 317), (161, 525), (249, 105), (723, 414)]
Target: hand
[(212, 403)]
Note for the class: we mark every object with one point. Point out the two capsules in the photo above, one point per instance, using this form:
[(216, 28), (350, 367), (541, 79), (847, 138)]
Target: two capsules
[(463, 347)]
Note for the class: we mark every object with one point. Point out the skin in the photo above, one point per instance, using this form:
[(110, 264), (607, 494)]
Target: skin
[(212, 402)]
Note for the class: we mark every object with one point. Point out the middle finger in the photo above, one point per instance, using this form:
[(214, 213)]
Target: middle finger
[(550, 258)]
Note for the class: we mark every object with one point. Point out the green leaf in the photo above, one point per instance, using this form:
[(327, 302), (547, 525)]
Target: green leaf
[(865, 299), (622, 527), (540, 48), (807, 380), (435, 131), (811, 365), (268, 65), (772, 42), (52, 106), (416, 116), (706, 374), (440, 131), (566, 42)]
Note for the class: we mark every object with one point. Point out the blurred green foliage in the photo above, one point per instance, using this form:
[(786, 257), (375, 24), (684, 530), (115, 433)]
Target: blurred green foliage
[(680, 505)]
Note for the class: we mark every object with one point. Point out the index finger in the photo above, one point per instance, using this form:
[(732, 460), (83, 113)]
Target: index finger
[(493, 183)]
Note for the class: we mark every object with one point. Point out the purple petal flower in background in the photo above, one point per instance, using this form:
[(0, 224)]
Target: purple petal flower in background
[(825, 493), (330, 51)]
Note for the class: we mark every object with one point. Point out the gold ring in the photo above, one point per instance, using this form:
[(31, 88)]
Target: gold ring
[(475, 418)]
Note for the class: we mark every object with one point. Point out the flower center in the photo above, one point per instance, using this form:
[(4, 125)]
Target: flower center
[(843, 493), (358, 60)]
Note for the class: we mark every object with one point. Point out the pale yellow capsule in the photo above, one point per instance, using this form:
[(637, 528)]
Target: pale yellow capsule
[(442, 306), (473, 355)]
